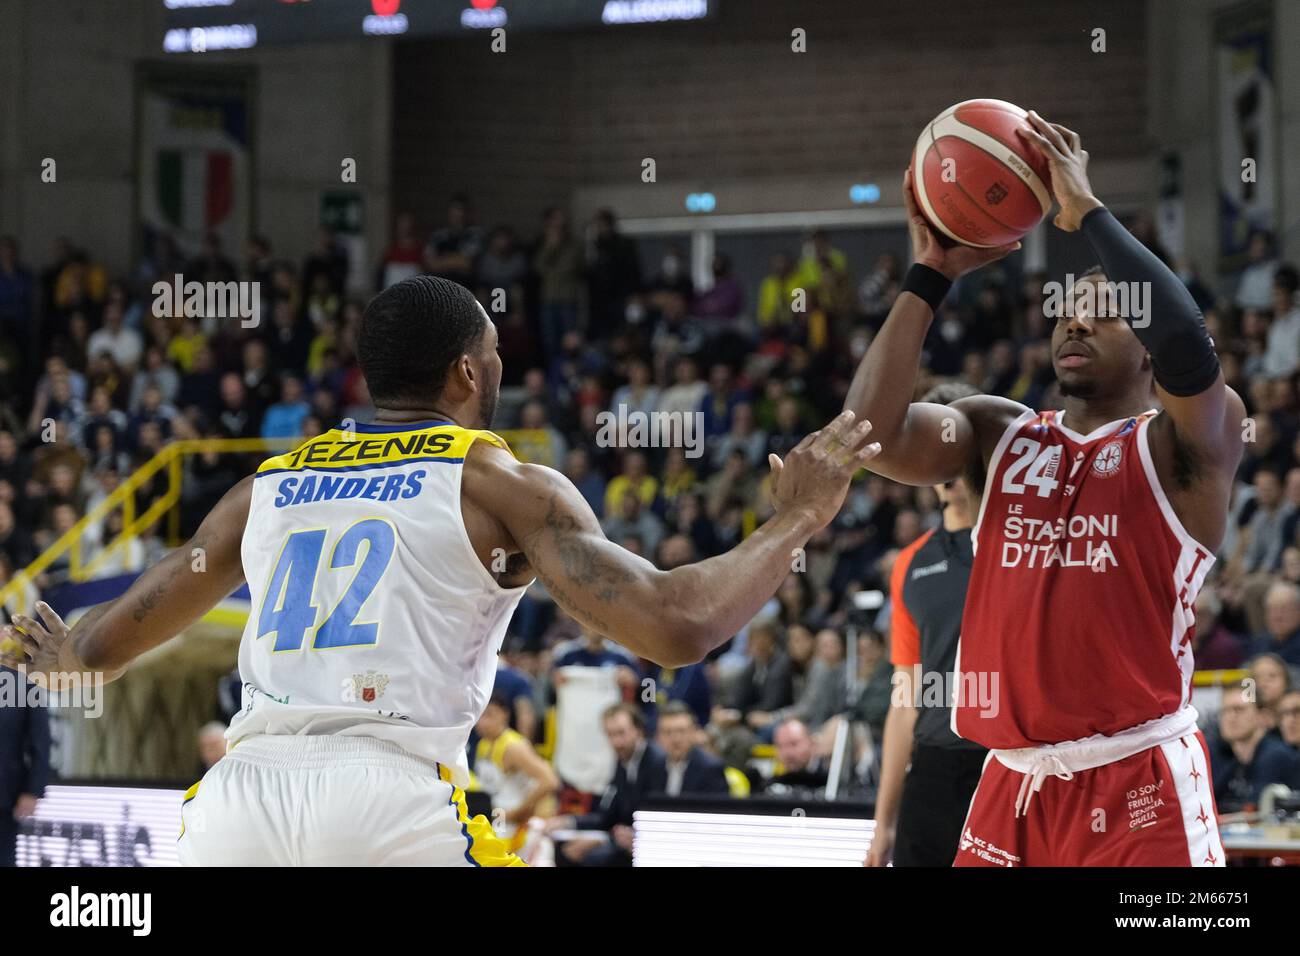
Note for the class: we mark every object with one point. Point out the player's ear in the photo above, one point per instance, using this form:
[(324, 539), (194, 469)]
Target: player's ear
[(461, 379)]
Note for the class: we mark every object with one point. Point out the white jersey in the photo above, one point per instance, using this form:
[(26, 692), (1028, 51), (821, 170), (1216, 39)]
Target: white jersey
[(371, 614)]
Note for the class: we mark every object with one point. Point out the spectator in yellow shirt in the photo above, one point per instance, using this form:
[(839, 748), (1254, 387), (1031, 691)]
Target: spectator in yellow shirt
[(186, 344), (678, 475), (825, 270), (635, 477), (79, 282), (777, 291)]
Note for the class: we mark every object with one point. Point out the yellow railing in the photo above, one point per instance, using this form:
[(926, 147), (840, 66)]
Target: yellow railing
[(170, 459), (528, 444), (1218, 678)]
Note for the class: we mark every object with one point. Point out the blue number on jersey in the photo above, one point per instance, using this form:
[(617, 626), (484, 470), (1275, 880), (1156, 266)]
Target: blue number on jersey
[(339, 629), (294, 579)]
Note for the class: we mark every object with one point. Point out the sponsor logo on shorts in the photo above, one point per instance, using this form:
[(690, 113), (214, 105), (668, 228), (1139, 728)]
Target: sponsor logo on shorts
[(1144, 804), (986, 851)]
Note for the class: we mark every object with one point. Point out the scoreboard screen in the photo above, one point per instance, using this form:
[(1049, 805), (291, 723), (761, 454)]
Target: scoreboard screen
[(102, 826), (734, 838), (197, 26)]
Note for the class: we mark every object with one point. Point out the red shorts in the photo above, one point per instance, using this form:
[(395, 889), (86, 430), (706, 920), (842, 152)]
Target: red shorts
[(1155, 808)]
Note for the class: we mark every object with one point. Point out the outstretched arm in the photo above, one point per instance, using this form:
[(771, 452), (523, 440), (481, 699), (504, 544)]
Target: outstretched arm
[(165, 600), (1197, 442), (923, 444), (1205, 413), (671, 617)]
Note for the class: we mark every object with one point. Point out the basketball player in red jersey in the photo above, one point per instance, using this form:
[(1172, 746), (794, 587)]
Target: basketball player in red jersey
[(1097, 526)]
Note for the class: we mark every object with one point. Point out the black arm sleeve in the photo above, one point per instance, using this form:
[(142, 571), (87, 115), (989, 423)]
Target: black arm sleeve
[(1173, 330)]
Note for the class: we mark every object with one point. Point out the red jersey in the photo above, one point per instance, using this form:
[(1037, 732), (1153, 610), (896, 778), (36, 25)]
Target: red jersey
[(1078, 619)]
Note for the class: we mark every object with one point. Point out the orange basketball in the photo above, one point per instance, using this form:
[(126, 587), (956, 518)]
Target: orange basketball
[(975, 180)]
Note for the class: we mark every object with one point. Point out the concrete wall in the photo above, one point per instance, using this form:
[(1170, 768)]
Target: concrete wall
[(727, 106), (67, 91), (724, 106)]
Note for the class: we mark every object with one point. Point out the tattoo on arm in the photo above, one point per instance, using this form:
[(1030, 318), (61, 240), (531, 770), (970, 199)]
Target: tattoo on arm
[(582, 563), (584, 566)]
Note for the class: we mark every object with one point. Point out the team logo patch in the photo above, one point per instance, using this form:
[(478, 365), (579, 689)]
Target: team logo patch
[(995, 194), (1108, 459), (370, 685)]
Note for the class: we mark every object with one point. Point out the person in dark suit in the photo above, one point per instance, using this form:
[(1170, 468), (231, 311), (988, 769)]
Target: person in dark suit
[(24, 757), (689, 769), (1247, 758), (641, 770), (764, 685)]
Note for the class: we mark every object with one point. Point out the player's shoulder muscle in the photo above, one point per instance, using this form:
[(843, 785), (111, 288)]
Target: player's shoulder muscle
[(229, 516), (494, 478), (220, 537), (1189, 453), (989, 417), (520, 496), (1196, 472)]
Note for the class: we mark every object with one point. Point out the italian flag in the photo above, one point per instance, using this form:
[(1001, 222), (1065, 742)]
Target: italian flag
[(196, 187)]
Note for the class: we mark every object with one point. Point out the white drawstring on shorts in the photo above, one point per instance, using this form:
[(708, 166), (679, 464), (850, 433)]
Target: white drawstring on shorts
[(1044, 766), (1065, 759)]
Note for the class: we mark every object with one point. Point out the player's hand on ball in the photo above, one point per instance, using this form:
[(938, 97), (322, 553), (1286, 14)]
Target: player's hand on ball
[(815, 474), (1068, 162), (945, 256)]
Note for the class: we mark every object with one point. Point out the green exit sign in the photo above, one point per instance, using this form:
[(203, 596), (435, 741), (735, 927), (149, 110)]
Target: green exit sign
[(342, 212)]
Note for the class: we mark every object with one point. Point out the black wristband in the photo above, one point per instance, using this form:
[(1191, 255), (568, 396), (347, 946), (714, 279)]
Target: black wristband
[(929, 284)]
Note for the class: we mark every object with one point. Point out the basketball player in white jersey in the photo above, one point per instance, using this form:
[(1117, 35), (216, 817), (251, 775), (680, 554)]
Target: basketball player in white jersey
[(383, 566)]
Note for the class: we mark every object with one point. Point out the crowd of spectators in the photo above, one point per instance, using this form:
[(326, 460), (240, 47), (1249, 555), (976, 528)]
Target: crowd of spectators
[(95, 380)]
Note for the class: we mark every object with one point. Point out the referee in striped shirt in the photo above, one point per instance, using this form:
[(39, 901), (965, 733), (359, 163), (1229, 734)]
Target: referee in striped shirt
[(928, 774)]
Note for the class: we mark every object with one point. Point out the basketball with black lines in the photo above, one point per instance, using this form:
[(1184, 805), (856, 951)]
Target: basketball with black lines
[(976, 180)]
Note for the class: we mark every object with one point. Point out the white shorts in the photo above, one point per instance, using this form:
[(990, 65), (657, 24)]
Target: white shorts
[(331, 801)]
